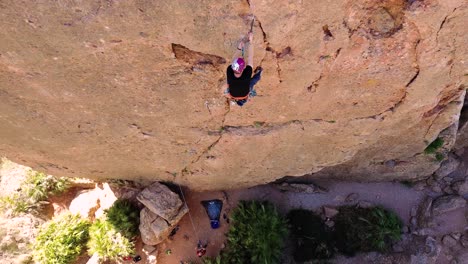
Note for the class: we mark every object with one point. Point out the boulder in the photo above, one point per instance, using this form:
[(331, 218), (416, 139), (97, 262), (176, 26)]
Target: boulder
[(151, 254), (461, 187), (153, 228), (92, 203), (447, 203), (161, 201), (424, 212), (449, 241), (329, 212), (365, 204), (300, 188), (352, 197), (163, 210), (85, 204), (448, 166)]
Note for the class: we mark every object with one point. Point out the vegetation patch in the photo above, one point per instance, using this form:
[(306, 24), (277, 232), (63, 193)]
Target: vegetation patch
[(434, 146), (33, 192), (365, 229), (311, 238), (107, 242), (61, 241), (124, 216), (256, 234)]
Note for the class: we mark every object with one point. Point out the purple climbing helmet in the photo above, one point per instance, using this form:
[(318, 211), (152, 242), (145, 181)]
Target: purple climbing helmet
[(238, 65)]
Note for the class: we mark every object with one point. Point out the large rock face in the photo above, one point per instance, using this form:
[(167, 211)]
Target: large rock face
[(130, 89)]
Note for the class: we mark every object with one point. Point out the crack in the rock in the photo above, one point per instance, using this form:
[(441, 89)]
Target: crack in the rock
[(270, 49), (212, 145), (443, 23), (313, 87)]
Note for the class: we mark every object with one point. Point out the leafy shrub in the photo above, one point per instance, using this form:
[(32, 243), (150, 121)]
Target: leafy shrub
[(33, 191), (365, 229), (106, 242), (312, 239), (38, 186), (256, 234), (434, 146), (61, 240), (216, 260), (125, 217)]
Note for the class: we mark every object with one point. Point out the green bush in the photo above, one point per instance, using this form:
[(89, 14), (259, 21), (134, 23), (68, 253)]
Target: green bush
[(125, 217), (311, 238), (107, 243), (365, 229), (256, 234), (434, 146), (38, 186), (216, 260), (33, 191), (61, 240)]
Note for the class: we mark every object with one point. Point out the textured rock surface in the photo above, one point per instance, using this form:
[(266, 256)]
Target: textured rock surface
[(130, 89), (447, 203), (161, 201), (163, 210)]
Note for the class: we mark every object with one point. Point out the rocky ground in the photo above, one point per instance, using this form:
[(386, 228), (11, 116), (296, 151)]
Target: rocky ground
[(433, 210)]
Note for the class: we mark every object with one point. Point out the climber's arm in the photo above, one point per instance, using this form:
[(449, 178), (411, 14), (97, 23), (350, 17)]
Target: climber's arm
[(251, 50), (238, 52)]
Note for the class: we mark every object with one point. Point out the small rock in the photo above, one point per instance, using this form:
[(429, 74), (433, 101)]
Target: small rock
[(447, 203), (436, 188), (449, 241), (152, 258), (329, 223), (365, 204), (339, 199), (147, 249), (329, 212), (461, 187), (298, 187), (447, 179), (456, 236), (223, 246), (464, 241), (405, 229), (419, 185), (430, 181), (447, 166), (414, 211), (25, 258), (448, 190), (462, 258), (459, 152), (431, 244), (425, 231), (397, 248), (454, 261), (351, 198), (414, 221)]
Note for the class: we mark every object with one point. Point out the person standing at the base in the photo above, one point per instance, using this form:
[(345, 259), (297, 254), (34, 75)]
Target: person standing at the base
[(240, 83)]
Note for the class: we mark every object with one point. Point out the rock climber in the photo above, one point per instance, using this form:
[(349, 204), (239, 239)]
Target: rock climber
[(240, 83)]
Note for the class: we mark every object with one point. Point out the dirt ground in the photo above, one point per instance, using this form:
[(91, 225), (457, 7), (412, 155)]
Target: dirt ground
[(394, 196)]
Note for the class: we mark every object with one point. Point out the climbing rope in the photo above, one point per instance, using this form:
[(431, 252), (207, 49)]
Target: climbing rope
[(190, 215)]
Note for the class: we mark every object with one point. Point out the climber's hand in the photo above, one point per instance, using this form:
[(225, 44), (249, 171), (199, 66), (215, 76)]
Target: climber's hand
[(250, 36), (241, 45)]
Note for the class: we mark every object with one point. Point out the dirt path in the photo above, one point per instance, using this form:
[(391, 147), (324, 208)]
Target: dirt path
[(394, 196)]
